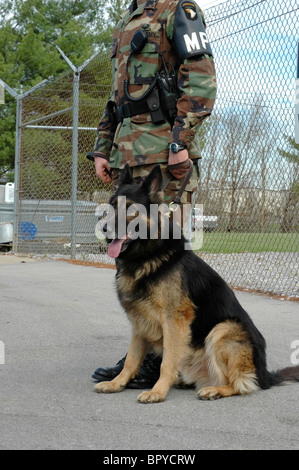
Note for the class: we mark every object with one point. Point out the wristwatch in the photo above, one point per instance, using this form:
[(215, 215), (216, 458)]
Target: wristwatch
[(175, 148)]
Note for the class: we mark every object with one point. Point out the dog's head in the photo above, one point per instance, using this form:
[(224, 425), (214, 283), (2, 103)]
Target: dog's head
[(134, 221)]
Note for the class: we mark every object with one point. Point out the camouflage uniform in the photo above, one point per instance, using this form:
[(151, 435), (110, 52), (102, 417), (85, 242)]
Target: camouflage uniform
[(137, 139)]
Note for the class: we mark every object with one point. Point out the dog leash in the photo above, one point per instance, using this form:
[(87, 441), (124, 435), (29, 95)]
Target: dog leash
[(174, 205)]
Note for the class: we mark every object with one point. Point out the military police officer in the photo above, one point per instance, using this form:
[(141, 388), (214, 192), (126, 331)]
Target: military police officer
[(163, 87)]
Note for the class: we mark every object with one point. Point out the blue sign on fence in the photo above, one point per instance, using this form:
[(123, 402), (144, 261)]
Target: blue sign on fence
[(27, 231)]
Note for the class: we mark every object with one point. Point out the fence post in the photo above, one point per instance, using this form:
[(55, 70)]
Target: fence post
[(18, 141), (16, 217), (76, 90), (76, 85), (75, 140), (17, 175)]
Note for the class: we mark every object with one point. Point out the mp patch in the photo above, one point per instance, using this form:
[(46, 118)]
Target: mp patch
[(189, 36)]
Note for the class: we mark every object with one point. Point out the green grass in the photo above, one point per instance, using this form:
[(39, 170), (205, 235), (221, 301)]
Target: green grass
[(234, 242)]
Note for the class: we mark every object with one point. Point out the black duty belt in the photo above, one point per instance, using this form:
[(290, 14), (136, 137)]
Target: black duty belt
[(131, 109), (152, 104)]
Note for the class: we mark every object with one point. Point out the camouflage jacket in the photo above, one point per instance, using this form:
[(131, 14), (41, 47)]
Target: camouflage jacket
[(137, 139)]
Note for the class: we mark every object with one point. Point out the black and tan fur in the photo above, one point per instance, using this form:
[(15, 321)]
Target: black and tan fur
[(183, 310)]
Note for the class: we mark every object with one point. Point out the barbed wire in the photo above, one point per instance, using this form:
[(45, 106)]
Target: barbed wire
[(237, 12), (210, 24), (255, 25)]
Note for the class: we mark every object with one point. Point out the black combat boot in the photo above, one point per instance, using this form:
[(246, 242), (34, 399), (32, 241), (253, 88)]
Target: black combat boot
[(146, 378)]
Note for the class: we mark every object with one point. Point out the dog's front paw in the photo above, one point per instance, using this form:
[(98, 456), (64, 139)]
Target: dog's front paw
[(209, 393), (108, 387), (150, 397)]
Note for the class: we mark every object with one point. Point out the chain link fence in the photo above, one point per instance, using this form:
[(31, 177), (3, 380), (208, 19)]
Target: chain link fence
[(58, 189), (250, 166), (249, 179)]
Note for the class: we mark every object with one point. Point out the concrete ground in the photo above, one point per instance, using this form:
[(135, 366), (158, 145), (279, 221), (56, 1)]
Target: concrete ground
[(59, 322)]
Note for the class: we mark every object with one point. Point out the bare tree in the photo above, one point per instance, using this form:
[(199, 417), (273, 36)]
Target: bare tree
[(237, 157), (290, 217)]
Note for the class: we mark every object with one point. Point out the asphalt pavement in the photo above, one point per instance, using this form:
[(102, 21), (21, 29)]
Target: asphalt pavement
[(59, 322)]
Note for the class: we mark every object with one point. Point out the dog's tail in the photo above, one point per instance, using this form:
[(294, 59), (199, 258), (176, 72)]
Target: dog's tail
[(283, 376)]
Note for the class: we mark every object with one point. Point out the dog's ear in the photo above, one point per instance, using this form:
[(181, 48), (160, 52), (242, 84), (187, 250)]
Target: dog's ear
[(126, 176), (153, 182)]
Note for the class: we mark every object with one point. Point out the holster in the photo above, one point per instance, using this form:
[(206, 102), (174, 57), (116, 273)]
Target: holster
[(161, 104), (150, 105), (111, 113), (169, 95), (155, 107)]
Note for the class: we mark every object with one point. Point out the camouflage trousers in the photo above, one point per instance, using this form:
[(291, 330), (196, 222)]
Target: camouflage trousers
[(140, 172)]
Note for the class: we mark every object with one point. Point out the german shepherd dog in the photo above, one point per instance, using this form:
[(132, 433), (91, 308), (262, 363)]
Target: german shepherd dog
[(183, 310)]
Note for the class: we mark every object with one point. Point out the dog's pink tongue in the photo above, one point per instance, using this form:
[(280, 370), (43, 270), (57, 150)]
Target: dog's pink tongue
[(114, 247)]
